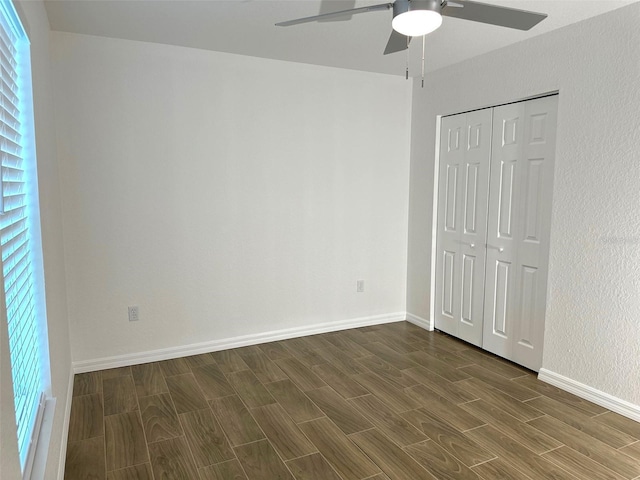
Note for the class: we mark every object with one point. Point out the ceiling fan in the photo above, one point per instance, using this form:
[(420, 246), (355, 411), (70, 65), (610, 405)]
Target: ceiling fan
[(413, 18)]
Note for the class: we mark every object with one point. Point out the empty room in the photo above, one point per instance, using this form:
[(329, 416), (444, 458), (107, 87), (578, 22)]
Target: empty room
[(320, 239)]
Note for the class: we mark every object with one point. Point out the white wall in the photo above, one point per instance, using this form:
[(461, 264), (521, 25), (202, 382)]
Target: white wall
[(592, 319), (35, 21), (225, 195)]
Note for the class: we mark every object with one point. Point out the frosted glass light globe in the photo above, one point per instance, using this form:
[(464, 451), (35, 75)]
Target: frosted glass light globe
[(416, 23)]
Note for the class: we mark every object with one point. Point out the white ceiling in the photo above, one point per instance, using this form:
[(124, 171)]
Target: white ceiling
[(246, 27)]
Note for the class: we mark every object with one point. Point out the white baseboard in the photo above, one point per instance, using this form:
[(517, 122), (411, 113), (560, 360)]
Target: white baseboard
[(65, 427), (419, 321), (589, 393), (235, 342)]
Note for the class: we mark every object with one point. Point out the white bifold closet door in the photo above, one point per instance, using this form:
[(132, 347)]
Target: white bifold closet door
[(523, 150), (494, 213), (465, 152)]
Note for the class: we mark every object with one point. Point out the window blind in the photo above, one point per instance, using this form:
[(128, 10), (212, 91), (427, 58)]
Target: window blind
[(15, 240)]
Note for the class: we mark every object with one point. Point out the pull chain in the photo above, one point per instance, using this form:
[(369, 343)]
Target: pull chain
[(406, 76), (423, 45)]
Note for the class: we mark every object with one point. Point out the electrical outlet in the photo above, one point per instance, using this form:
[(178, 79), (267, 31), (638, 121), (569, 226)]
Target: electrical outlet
[(134, 313), (360, 286)]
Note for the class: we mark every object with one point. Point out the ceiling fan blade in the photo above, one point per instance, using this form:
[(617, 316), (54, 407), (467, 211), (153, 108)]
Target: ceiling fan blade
[(334, 15), (494, 15), (328, 6), (397, 42)]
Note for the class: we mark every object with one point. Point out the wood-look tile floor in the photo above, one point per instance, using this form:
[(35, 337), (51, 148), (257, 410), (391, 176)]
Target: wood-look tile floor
[(385, 402)]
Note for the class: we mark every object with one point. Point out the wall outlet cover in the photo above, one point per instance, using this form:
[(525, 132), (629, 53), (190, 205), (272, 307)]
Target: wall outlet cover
[(134, 313)]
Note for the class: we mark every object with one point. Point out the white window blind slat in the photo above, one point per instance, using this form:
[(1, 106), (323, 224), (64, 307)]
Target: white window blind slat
[(11, 204), (10, 115), (10, 129), (7, 235), (12, 174), (8, 98), (20, 278), (16, 263), (8, 39), (9, 67)]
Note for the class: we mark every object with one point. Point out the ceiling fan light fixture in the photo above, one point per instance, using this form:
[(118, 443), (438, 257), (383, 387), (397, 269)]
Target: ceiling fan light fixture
[(416, 23), (415, 18)]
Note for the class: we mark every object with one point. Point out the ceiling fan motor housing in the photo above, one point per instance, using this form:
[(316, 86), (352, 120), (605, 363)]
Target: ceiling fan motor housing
[(403, 6)]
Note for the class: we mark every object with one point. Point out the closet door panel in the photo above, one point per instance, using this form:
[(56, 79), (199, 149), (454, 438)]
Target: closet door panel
[(448, 261), (474, 230), (504, 203), (465, 149), (518, 231), (538, 153)]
